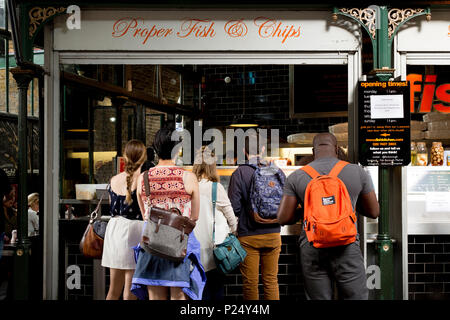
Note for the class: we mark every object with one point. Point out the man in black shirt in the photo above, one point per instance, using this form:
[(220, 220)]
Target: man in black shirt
[(261, 241)]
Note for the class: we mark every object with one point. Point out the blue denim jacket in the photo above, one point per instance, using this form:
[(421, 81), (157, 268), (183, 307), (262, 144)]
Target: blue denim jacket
[(197, 278)]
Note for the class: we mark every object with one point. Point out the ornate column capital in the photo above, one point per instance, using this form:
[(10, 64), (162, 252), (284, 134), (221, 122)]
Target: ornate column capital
[(38, 16), (22, 77), (397, 17), (366, 17)]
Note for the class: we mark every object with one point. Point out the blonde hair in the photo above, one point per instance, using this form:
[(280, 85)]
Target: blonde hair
[(33, 198), (135, 154), (201, 169)]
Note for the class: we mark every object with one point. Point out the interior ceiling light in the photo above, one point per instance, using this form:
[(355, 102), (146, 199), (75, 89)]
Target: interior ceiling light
[(78, 130), (243, 121)]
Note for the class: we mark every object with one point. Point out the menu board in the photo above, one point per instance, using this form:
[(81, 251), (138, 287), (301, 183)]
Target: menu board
[(428, 181), (384, 123)]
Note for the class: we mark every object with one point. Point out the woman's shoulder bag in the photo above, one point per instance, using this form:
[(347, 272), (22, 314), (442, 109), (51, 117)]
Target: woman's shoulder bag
[(229, 254), (91, 244)]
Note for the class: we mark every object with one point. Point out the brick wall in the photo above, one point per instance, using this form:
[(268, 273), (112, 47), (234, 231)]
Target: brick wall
[(144, 80), (74, 257), (290, 280), (429, 267), (267, 97), (152, 125)]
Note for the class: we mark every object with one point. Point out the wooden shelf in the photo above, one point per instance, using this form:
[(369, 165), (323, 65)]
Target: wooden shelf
[(76, 201)]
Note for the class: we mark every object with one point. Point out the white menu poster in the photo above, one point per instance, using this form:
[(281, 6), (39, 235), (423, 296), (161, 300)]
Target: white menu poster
[(386, 106)]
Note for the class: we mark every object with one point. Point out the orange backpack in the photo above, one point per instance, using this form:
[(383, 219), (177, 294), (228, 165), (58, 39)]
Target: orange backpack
[(329, 219)]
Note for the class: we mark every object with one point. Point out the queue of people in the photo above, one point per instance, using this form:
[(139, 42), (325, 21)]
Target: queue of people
[(136, 273)]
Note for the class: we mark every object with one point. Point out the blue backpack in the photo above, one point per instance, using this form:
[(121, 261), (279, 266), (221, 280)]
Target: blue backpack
[(266, 191)]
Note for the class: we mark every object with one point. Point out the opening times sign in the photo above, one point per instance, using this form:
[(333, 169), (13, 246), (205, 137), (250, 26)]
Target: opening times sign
[(384, 123)]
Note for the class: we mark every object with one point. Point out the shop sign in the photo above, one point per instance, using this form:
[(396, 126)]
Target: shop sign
[(384, 123), (420, 35), (429, 91), (205, 31)]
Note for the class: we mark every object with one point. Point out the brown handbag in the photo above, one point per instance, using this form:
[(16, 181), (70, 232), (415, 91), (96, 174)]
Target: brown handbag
[(166, 232), (91, 244)]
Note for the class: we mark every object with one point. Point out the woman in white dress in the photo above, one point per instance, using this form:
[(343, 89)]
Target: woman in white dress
[(125, 226), (225, 222)]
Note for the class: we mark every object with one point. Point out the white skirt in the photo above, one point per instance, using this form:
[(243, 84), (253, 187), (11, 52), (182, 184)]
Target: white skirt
[(121, 236)]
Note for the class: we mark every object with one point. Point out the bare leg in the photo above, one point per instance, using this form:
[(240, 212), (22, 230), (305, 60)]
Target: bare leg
[(177, 294), (117, 280), (158, 293), (127, 294)]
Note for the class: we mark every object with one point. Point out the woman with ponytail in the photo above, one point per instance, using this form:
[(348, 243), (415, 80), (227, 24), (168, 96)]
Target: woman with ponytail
[(125, 226)]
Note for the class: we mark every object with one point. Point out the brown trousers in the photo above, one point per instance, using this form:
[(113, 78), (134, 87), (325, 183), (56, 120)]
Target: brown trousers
[(262, 250)]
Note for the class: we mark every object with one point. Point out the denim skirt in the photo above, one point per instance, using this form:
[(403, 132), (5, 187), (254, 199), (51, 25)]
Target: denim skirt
[(152, 270)]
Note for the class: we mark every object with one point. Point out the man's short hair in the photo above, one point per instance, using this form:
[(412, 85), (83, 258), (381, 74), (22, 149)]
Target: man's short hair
[(252, 138)]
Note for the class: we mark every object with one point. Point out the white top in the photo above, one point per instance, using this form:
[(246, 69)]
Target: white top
[(33, 222), (226, 221)]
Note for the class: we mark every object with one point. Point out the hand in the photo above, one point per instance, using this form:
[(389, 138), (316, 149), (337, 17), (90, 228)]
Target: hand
[(233, 229)]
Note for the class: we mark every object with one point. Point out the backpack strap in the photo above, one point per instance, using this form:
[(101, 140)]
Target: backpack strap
[(214, 200), (147, 187), (337, 168), (334, 171), (310, 171)]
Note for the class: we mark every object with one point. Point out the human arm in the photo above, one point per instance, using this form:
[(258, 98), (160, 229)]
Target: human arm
[(35, 222), (287, 211), (191, 186), (139, 192), (367, 205), (235, 194), (224, 205)]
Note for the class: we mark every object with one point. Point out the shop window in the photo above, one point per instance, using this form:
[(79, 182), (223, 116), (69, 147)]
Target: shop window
[(3, 75), (318, 91), (3, 16), (428, 176), (430, 103), (104, 152), (94, 133)]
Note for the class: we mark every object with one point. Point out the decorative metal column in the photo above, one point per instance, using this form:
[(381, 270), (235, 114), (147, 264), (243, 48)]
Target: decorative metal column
[(23, 249), (382, 24)]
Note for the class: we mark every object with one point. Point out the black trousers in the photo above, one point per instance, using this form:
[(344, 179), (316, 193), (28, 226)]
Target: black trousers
[(343, 265)]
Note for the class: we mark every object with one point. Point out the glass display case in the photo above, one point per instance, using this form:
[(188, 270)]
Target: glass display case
[(428, 201)]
